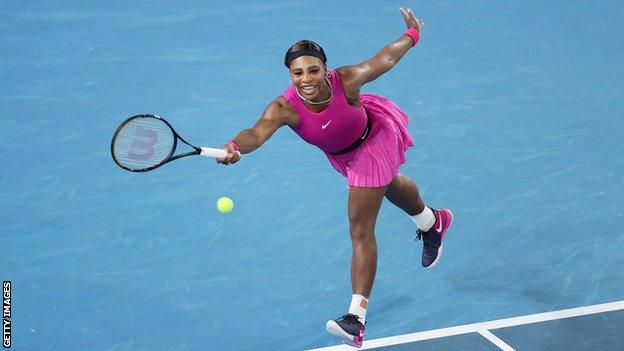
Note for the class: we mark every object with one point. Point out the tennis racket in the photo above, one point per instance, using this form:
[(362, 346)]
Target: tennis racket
[(145, 142)]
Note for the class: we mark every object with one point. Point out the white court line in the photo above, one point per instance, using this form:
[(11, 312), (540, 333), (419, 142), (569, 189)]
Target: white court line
[(477, 327), (496, 341)]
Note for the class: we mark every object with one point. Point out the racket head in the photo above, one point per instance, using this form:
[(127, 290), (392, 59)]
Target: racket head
[(143, 142)]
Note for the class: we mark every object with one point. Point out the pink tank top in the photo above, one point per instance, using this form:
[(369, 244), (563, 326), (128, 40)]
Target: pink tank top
[(336, 127)]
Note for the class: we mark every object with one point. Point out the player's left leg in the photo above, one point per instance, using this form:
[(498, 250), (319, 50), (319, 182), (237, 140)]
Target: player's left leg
[(432, 224)]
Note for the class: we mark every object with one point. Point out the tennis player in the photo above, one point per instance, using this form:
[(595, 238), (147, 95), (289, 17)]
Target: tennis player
[(365, 137)]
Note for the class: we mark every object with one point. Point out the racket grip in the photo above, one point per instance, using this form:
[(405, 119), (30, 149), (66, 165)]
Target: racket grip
[(212, 152)]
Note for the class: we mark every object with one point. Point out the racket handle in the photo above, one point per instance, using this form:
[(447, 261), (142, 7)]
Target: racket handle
[(212, 152)]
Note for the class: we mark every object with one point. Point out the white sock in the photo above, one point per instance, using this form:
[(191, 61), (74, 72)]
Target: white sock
[(424, 220), (358, 307)]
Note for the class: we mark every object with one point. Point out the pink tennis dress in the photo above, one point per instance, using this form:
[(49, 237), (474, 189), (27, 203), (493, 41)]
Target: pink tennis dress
[(375, 161)]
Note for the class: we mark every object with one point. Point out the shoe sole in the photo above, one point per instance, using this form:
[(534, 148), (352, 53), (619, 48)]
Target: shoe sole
[(437, 258), (441, 245), (334, 329)]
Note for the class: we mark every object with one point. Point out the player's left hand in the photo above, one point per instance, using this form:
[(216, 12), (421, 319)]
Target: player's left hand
[(410, 20)]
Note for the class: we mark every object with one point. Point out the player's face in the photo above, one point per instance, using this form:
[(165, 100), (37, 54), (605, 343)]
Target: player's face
[(308, 75)]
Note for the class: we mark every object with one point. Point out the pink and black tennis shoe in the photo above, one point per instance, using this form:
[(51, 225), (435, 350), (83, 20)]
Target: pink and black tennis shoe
[(433, 238), (348, 328)]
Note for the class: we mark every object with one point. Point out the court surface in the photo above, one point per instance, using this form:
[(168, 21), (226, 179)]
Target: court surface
[(596, 327), (516, 110)]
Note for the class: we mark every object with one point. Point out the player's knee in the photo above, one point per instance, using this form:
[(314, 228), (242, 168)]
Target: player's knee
[(400, 183), (396, 182), (360, 229)]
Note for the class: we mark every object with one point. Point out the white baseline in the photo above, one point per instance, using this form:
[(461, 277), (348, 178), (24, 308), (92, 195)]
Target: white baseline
[(484, 326)]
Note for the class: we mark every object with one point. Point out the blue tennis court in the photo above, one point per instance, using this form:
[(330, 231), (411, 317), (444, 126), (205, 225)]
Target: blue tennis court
[(516, 111), (596, 327)]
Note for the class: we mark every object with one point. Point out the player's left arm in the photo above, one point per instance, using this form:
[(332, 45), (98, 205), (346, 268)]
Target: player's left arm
[(357, 75)]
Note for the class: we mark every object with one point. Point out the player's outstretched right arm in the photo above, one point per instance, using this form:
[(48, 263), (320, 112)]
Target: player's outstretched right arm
[(277, 114)]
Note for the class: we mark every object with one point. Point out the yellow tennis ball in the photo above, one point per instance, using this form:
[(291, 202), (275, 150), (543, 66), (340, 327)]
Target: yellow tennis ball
[(225, 205)]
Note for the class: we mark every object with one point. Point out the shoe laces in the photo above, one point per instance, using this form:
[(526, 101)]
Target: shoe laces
[(418, 235), (349, 317), (422, 235)]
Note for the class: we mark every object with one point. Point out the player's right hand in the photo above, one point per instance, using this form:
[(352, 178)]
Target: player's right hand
[(232, 157)]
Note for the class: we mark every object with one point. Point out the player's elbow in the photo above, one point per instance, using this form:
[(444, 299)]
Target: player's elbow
[(390, 61), (261, 136), (385, 62)]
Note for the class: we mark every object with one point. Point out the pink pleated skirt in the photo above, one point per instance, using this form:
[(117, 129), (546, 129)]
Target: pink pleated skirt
[(377, 160)]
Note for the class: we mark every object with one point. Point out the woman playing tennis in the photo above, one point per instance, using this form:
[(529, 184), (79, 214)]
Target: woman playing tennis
[(365, 137)]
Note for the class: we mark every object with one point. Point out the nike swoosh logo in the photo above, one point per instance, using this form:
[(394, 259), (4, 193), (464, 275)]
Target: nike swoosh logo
[(439, 229), (325, 125)]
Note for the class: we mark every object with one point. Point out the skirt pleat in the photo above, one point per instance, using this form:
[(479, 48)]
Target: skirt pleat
[(377, 160)]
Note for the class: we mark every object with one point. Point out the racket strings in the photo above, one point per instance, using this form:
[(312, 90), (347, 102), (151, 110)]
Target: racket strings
[(143, 142)]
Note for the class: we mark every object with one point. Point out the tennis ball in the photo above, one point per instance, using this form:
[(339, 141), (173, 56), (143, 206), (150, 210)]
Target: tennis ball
[(225, 205)]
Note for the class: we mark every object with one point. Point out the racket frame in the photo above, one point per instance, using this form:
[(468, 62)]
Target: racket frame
[(169, 158)]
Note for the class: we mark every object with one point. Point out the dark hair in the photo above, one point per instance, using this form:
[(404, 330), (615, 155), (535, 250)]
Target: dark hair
[(304, 47)]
